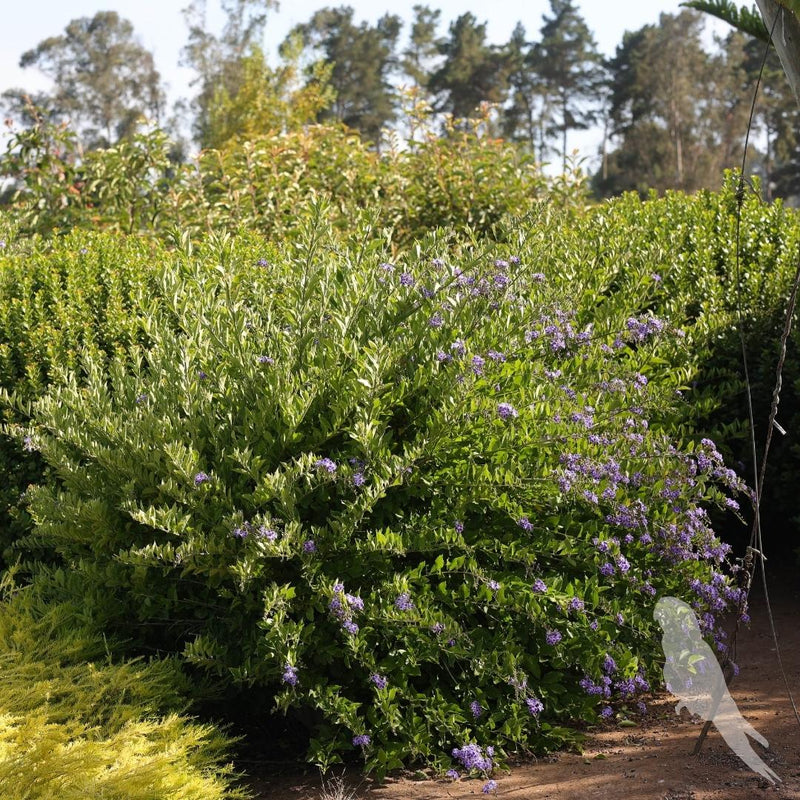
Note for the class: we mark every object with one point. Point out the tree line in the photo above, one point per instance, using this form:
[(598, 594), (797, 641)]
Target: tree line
[(673, 113)]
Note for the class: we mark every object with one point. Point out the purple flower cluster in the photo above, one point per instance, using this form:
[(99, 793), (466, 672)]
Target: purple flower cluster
[(201, 478), (553, 637), (327, 464), (343, 606), (476, 709), (403, 602), (379, 680), (575, 604), (506, 411), (640, 329), (471, 756), (362, 740), (535, 706), (489, 787), (290, 675)]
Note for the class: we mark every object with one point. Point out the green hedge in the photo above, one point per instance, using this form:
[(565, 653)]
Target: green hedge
[(390, 493)]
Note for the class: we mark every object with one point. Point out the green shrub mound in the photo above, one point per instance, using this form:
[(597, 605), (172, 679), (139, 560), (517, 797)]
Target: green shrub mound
[(81, 293), (461, 179), (417, 499), (74, 724)]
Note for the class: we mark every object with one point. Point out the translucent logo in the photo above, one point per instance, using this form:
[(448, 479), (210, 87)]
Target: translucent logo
[(693, 674)]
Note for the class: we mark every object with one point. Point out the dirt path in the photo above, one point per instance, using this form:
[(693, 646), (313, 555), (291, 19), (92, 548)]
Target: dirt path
[(652, 761)]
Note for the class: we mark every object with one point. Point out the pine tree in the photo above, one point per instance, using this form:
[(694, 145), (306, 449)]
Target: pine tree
[(473, 71), (362, 58), (571, 69)]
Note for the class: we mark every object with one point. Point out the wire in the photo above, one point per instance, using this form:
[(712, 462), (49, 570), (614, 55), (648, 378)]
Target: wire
[(756, 540)]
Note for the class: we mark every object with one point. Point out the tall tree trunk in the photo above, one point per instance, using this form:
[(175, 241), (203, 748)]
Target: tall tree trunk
[(786, 40)]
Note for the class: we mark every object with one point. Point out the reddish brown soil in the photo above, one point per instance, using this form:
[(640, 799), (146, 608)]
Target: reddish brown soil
[(652, 761)]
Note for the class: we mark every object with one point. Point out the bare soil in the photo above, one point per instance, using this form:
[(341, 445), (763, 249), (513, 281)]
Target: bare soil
[(650, 762)]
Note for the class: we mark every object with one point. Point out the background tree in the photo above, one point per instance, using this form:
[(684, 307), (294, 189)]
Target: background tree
[(678, 112), (423, 46), (219, 61), (472, 72), (104, 80), (524, 115), (571, 68), (362, 58)]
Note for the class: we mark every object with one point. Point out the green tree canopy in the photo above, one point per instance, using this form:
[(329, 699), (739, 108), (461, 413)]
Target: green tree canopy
[(570, 67), (104, 80), (362, 57), (473, 71), (220, 61)]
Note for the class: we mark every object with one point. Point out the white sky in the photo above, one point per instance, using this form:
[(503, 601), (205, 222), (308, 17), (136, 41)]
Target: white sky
[(161, 28)]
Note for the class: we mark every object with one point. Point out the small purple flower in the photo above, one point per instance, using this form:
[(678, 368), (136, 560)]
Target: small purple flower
[(28, 445), (436, 321), (607, 712), (141, 399), (489, 786), (404, 602), (262, 262), (459, 526), (478, 364), (309, 546), (358, 479), (606, 569), (535, 706), (453, 774), (350, 627), (362, 740), (386, 267), (406, 279), (458, 347), (475, 708), (326, 464), (240, 532), (539, 586), (609, 665), (553, 637), (266, 360), (379, 681), (290, 675), (525, 524), (437, 628), (493, 585), (575, 604), (201, 477), (506, 411), (201, 375), (267, 533)]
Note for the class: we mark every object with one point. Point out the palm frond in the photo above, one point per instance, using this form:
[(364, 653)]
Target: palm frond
[(747, 20)]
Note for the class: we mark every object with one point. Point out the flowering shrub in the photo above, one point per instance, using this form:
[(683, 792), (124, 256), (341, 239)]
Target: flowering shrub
[(421, 498)]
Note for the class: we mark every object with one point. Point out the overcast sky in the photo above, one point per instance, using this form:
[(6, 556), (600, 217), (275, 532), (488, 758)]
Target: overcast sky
[(161, 28)]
